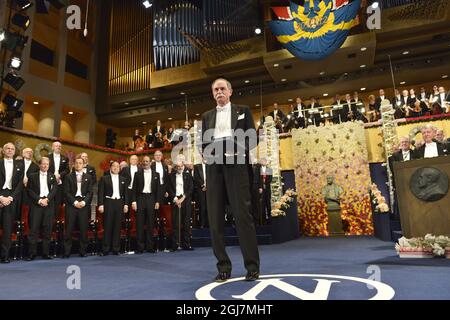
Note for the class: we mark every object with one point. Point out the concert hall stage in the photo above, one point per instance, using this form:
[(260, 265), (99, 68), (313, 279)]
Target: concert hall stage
[(179, 275)]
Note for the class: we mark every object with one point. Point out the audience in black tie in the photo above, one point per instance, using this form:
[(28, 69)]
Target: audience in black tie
[(200, 192)]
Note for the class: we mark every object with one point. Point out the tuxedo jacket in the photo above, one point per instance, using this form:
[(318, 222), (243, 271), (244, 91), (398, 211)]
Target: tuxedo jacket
[(34, 187), (420, 152), (126, 173), (199, 178), (398, 156), (138, 185), (280, 115), (17, 177), (31, 169), (303, 112), (188, 185), (70, 188), (165, 176), (241, 118), (105, 189), (63, 165), (161, 130)]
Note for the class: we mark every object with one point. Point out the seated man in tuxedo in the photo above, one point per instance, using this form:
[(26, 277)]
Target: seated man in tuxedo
[(430, 148), (41, 188), (11, 186), (146, 199), (78, 196), (112, 202), (181, 188)]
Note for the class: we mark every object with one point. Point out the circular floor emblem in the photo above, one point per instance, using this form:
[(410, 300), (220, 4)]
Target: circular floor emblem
[(429, 184), (297, 286)]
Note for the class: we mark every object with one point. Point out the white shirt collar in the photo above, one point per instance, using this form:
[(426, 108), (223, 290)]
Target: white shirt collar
[(225, 107)]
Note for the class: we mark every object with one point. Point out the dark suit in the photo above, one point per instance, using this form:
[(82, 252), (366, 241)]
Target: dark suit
[(165, 178), (63, 170), (182, 214), (230, 181), (113, 210), (280, 115), (199, 183), (419, 153), (300, 116), (7, 213), (315, 117), (263, 181), (126, 173), (91, 171), (378, 101), (158, 142), (145, 213), (24, 198), (41, 216), (74, 214)]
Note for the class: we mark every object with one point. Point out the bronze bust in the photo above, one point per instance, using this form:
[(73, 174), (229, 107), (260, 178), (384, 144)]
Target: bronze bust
[(429, 184)]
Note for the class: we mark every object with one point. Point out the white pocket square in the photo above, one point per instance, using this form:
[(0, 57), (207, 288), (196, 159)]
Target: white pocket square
[(242, 116)]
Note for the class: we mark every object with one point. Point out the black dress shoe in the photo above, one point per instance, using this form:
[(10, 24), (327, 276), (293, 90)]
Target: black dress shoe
[(188, 248), (5, 260), (252, 276), (222, 276), (47, 257), (30, 257)]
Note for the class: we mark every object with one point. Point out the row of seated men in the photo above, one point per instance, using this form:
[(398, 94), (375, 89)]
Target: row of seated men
[(45, 186)]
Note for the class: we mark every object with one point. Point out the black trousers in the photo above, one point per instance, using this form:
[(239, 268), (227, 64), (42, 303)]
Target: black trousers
[(181, 218), (7, 215), (41, 217), (112, 221), (72, 216), (59, 199), (145, 216), (232, 182), (267, 206), (202, 208)]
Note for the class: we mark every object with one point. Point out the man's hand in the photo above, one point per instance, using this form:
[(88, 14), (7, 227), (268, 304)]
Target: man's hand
[(83, 204), (166, 195), (25, 181), (78, 205), (43, 202), (157, 205), (260, 190), (134, 206), (125, 209), (204, 189), (101, 209)]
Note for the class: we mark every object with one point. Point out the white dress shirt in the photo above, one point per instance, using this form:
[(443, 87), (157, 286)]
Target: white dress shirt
[(179, 184), (431, 150), (9, 168), (57, 158), (223, 122), (204, 172), (382, 98), (133, 170), (43, 185), (79, 176), (263, 169), (116, 186), (406, 155), (147, 181), (27, 165), (160, 170), (299, 109)]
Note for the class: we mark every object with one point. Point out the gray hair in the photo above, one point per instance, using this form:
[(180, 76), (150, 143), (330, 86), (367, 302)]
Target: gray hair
[(222, 79)]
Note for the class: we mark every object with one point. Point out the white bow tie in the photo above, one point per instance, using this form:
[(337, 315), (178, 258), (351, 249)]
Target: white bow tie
[(8, 160), (220, 109)]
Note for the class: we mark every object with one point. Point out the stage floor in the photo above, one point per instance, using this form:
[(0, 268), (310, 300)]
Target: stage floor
[(331, 268)]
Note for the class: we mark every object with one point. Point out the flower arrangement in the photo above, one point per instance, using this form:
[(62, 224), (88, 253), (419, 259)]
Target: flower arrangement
[(425, 247), (283, 204), (378, 200)]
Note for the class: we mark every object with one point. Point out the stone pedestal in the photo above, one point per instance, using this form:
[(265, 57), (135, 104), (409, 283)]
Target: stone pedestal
[(335, 227)]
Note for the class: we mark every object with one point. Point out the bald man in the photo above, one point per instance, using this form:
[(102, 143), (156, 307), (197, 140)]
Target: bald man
[(11, 186), (59, 166)]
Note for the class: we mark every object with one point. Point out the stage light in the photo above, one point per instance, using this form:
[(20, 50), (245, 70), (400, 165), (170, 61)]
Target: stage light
[(12, 102), (14, 80), (147, 4), (23, 4), (375, 5), (16, 40), (21, 21), (42, 6), (15, 63), (258, 31)]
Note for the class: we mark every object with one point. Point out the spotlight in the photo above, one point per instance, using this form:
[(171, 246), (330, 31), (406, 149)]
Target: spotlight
[(21, 21), (42, 6), (147, 4), (23, 4), (375, 5), (12, 102), (16, 40), (15, 63), (258, 31), (14, 80)]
